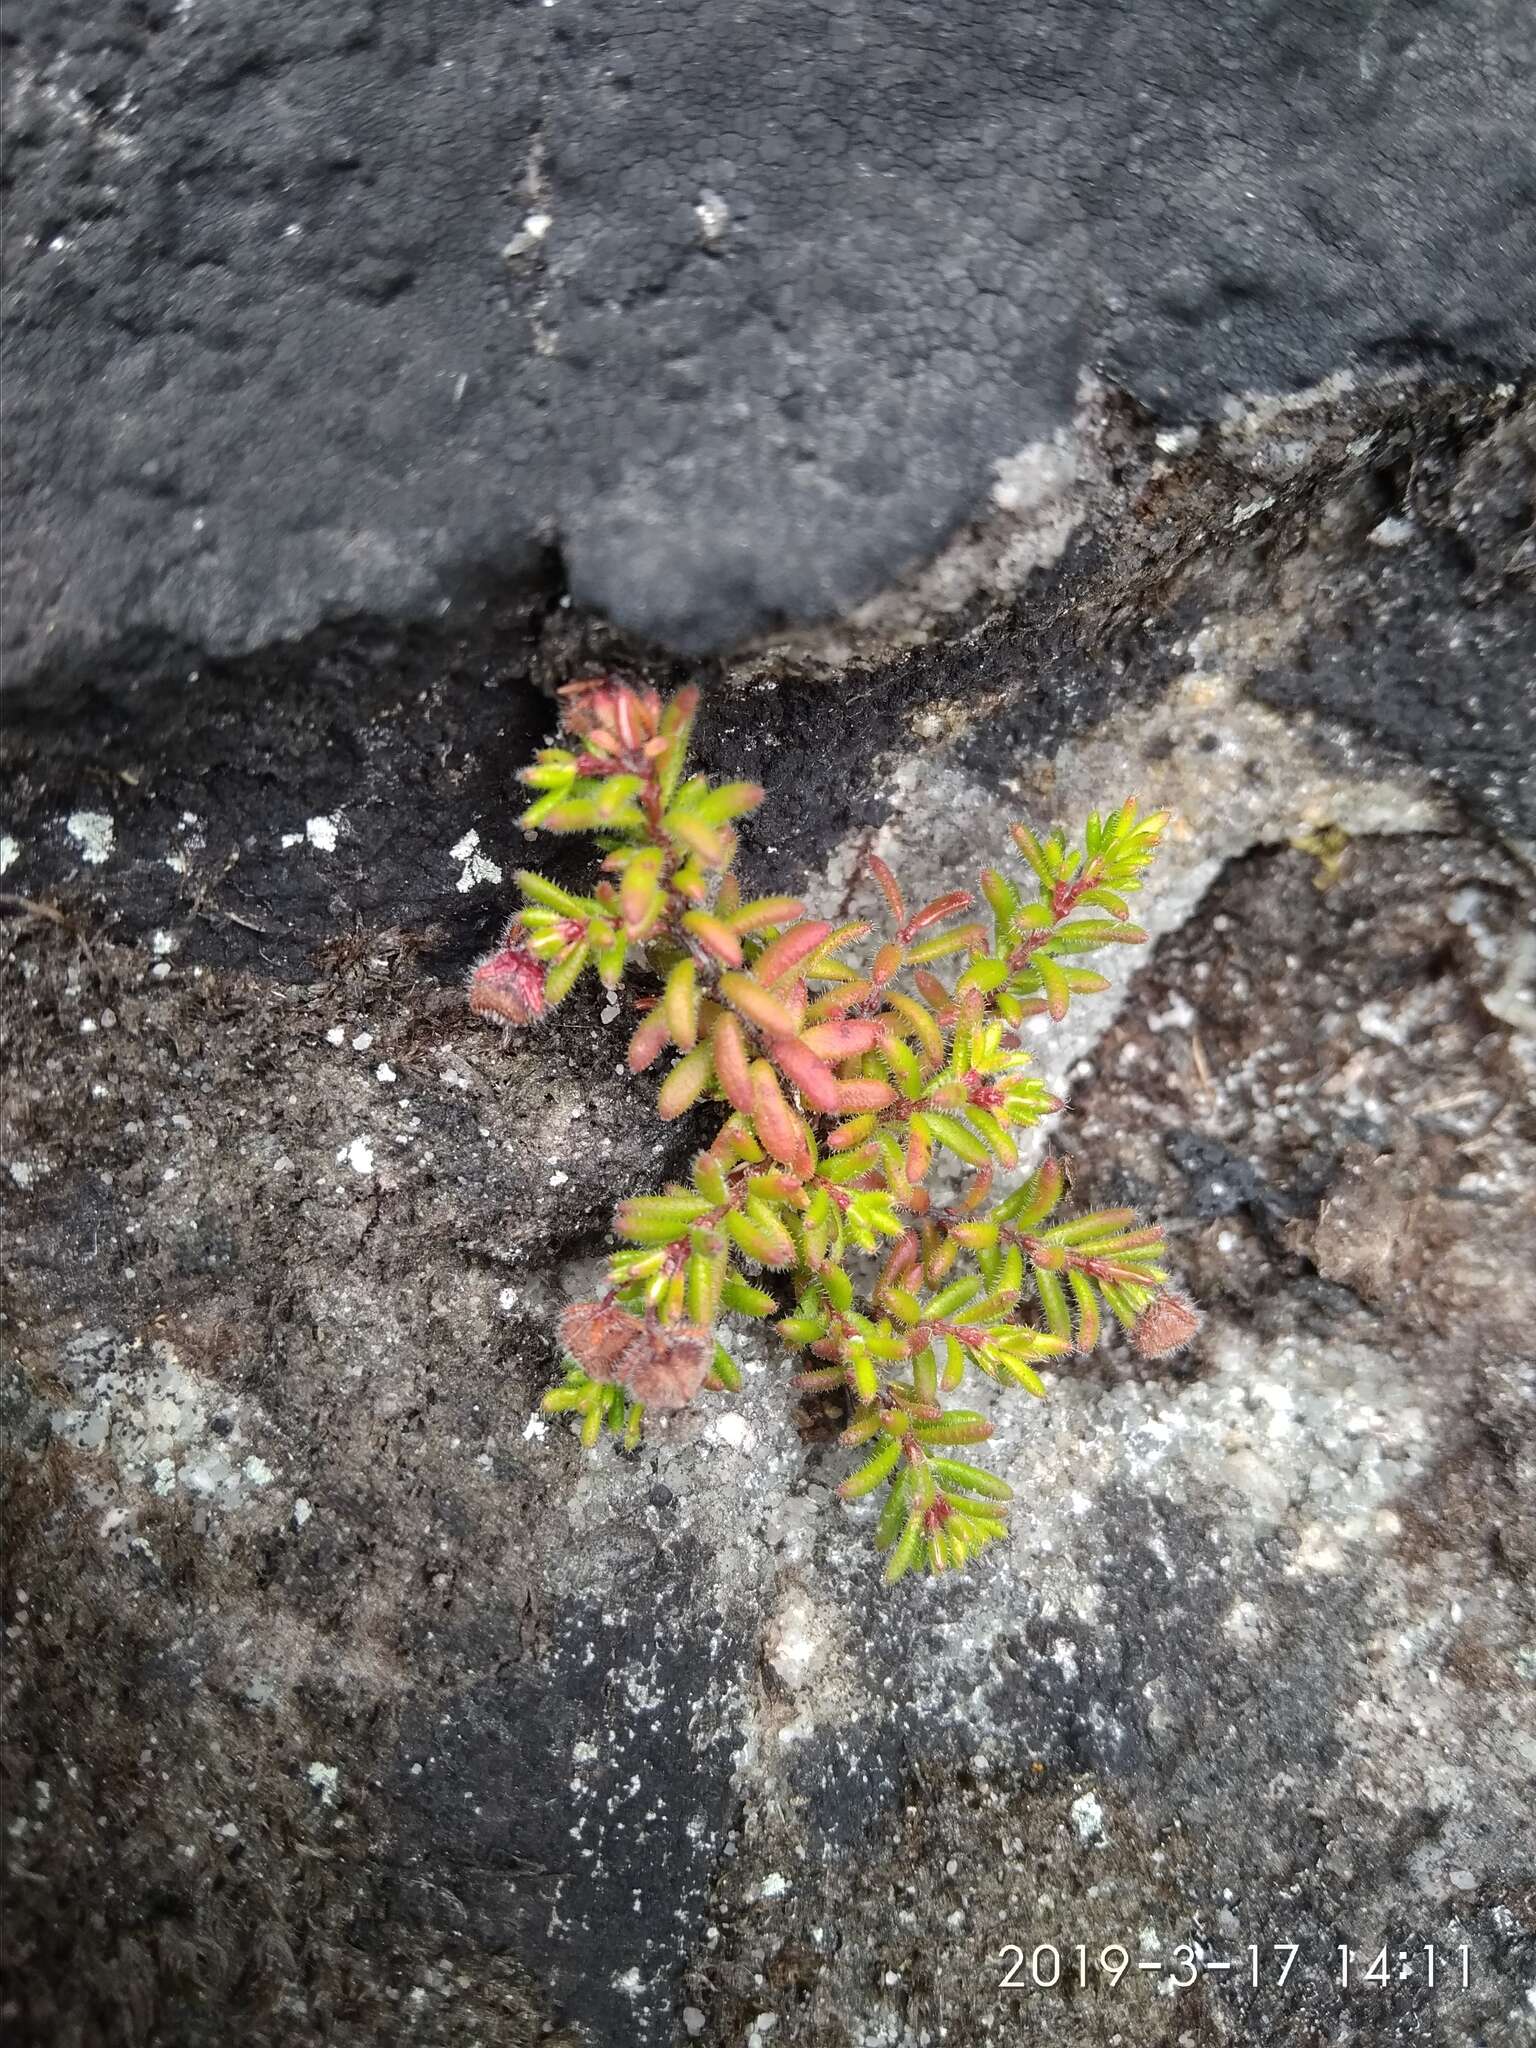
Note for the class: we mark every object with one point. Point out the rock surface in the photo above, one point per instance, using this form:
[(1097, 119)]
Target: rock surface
[(346, 1700), (319, 311)]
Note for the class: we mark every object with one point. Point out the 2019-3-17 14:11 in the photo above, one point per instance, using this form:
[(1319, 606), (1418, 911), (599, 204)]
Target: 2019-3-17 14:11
[(1047, 1966)]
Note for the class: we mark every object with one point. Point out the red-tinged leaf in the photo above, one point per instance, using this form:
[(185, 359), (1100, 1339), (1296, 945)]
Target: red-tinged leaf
[(680, 1005), (772, 1117), (932, 990), (820, 1379), (788, 950), (889, 888), (712, 843), (888, 964), (685, 1084), (964, 938), (1089, 1321), (714, 937), (853, 1096), (765, 910), (954, 1429), (941, 907), (682, 708), (761, 1236), (650, 1036), (731, 1063), (837, 1002), (919, 1154), (733, 1144), (1057, 995), (752, 1001), (639, 889), (846, 1136), (904, 1253), (815, 1080), (920, 1020), (843, 1038)]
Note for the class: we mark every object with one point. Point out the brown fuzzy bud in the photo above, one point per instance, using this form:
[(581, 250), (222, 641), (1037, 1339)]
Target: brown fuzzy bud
[(666, 1364), (595, 1332), (1167, 1323), (509, 983), (662, 1364)]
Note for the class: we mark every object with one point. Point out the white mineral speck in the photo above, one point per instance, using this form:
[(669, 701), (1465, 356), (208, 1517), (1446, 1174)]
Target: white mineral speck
[(10, 852), (292, 839), (533, 230), (712, 215), (795, 1641), (258, 1471), (535, 1427), (337, 1035), (384, 1071), (324, 1778), (734, 1430), (161, 943), (1391, 533), (22, 1173), (321, 833), (693, 2021), (93, 832), (775, 1885), (358, 1155), (362, 1041), (301, 1512), (1088, 1818)]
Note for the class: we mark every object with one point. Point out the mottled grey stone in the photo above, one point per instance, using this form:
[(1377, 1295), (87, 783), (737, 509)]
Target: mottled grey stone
[(348, 1702), (318, 312)]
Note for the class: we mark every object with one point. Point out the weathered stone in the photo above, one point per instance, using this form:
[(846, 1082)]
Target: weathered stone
[(318, 312), (348, 1701)]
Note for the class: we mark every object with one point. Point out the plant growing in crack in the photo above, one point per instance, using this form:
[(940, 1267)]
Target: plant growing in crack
[(844, 1076)]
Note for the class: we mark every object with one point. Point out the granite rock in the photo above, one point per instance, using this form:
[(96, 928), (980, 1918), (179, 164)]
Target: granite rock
[(320, 313), (346, 1700)]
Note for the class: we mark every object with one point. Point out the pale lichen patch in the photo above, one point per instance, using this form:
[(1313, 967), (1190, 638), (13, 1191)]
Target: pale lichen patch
[(94, 833)]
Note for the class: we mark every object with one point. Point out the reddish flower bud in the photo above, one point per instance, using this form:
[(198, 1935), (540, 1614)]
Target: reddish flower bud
[(595, 1332), (1167, 1323), (662, 1364), (615, 715), (666, 1364), (508, 983)]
